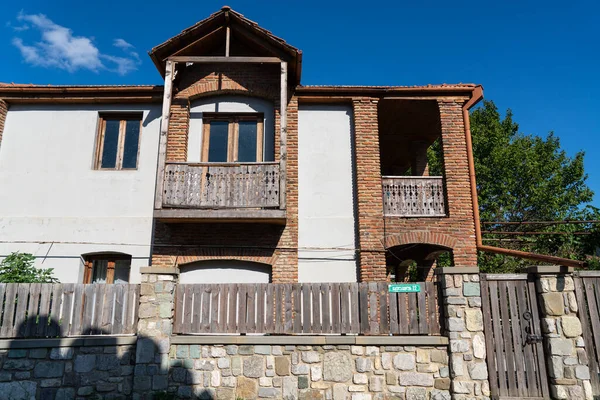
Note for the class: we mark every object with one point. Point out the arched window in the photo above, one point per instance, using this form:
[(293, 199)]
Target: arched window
[(225, 271), (107, 268)]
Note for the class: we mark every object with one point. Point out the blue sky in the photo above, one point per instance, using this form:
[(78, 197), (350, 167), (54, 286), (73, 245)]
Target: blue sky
[(538, 58)]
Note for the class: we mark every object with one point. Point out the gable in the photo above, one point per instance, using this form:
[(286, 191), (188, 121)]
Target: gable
[(227, 29)]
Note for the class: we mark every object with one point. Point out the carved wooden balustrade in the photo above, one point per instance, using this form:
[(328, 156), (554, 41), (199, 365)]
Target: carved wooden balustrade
[(221, 185), (413, 196)]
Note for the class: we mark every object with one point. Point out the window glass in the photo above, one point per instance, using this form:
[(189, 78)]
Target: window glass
[(122, 268), (99, 271), (217, 148), (132, 137), (111, 144), (247, 141)]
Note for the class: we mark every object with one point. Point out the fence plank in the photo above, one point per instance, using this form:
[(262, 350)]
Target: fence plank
[(232, 320), (118, 321), (335, 307), (108, 309), (306, 325), (354, 308), (192, 301), (32, 309), (214, 310), (132, 308), (260, 307), (363, 293), (384, 326), (393, 310), (53, 328), (316, 307), (413, 322), (432, 310), (96, 324), (44, 315), (539, 347), (489, 339), (498, 341), (223, 308), (531, 381), (590, 334), (21, 312), (78, 304), (270, 311), (288, 308), (242, 309), (326, 301), (178, 322), (403, 315), (250, 306), (421, 299), (297, 299), (88, 309), (67, 308), (206, 296), (507, 337), (516, 336), (345, 304), (278, 308), (373, 309)]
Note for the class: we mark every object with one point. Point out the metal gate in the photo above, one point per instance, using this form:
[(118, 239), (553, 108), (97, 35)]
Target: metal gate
[(515, 353), (587, 290)]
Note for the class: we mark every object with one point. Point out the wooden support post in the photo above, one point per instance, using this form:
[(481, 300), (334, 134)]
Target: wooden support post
[(164, 129), (227, 41), (283, 137)]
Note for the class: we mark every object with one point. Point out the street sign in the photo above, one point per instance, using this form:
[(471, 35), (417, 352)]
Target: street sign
[(404, 288)]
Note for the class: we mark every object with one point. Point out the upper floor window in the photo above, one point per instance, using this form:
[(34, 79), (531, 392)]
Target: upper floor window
[(232, 137), (118, 141), (107, 268)]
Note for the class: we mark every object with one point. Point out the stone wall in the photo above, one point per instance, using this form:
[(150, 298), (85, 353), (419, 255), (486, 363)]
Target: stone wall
[(339, 372), (51, 372)]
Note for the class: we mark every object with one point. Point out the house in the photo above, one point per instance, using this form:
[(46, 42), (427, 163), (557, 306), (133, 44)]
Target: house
[(234, 171)]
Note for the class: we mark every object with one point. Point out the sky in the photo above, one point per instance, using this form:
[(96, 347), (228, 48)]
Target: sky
[(539, 58)]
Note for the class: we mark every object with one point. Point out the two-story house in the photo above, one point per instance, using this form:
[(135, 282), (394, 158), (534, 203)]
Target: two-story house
[(235, 172)]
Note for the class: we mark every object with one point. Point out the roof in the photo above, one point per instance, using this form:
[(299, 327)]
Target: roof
[(202, 38)]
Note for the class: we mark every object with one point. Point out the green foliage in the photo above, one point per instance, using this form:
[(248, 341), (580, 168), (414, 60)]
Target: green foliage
[(527, 178), (18, 268)]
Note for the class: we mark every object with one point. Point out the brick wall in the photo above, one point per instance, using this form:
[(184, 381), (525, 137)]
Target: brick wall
[(177, 244), (3, 112), (457, 230), (368, 181)]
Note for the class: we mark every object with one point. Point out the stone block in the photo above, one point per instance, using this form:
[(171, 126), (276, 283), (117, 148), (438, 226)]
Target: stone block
[(553, 303), (311, 357), (440, 395), (262, 349), (54, 382), (218, 352), (415, 379), (231, 349), (582, 372), (462, 387), (423, 356), (183, 351), (246, 389), (19, 364), (456, 364), (357, 388), (477, 370), (144, 353), (17, 353), (303, 382), (300, 369), (340, 391), (65, 394), (478, 346), (474, 319), (223, 363), (107, 362), (376, 384), (246, 350), (404, 361), (561, 347), (456, 324), (459, 346), (337, 367), (49, 369), (254, 367), (282, 366), (290, 387), (416, 394), (236, 366), (361, 396), (571, 326), (372, 351), (38, 353), (442, 383), (360, 379), (316, 373), (471, 289), (269, 393), (364, 364)]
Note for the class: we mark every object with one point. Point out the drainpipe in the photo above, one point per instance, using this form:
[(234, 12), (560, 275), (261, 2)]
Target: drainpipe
[(476, 96)]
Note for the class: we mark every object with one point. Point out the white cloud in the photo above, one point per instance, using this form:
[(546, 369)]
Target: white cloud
[(59, 48)]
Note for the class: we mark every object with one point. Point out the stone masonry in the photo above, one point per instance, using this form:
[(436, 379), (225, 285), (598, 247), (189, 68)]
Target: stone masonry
[(230, 372), (464, 324), (567, 360)]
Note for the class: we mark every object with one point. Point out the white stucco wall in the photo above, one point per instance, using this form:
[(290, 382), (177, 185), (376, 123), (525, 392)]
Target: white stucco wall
[(225, 271), (55, 205), (239, 104), (326, 235)]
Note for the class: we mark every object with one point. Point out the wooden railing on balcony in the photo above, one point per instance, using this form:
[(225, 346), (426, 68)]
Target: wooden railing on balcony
[(306, 308), (216, 185), (410, 196)]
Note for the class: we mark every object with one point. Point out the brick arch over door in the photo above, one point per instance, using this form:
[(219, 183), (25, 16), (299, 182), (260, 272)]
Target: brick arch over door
[(251, 255), (438, 239)]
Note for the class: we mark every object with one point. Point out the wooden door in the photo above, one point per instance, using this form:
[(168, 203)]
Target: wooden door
[(515, 352)]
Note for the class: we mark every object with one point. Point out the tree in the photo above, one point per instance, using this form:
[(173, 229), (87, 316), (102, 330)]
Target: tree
[(526, 178), (19, 268)]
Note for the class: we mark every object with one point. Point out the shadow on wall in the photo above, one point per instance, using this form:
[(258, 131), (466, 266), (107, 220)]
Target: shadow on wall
[(97, 366)]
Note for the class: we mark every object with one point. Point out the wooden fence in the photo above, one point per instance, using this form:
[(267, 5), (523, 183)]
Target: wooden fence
[(412, 196), (587, 291), (306, 308), (60, 310), (211, 185)]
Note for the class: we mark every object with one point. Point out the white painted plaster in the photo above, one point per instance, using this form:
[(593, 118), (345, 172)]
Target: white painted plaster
[(225, 271), (238, 104), (326, 234), (50, 193)]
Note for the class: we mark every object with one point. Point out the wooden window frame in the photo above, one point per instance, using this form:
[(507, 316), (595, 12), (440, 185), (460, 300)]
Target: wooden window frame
[(110, 269), (233, 134), (123, 118)]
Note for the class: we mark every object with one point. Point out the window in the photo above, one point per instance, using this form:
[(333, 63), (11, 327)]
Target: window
[(232, 137), (118, 141), (107, 268)]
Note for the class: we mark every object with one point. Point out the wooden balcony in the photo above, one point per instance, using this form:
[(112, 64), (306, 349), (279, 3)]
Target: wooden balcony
[(221, 191), (413, 196)]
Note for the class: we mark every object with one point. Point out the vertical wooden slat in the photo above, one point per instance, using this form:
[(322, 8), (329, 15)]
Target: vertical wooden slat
[(363, 290), (306, 312), (260, 307), (32, 309), (118, 321), (498, 339), (21, 312), (130, 322), (384, 326), (242, 307), (88, 309), (108, 310), (316, 307), (289, 323), (531, 383), (423, 325), (335, 308), (214, 308), (45, 295), (507, 336), (232, 317), (178, 319), (250, 305), (345, 325), (589, 333), (188, 311), (270, 313), (403, 314), (517, 340), (326, 302), (53, 329), (67, 308), (278, 308), (432, 308), (539, 347), (2, 306), (206, 296), (489, 339), (413, 323), (78, 307), (393, 300), (354, 308), (297, 299), (373, 309), (224, 289), (99, 301)]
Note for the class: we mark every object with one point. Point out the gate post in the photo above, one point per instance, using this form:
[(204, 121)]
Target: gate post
[(562, 332), (155, 325), (461, 296)]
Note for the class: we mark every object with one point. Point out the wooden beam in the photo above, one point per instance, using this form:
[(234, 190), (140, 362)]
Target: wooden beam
[(164, 129), (185, 215), (217, 59), (205, 37), (283, 137), (227, 41)]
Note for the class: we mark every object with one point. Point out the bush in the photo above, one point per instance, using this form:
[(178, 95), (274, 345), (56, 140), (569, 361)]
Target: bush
[(19, 268)]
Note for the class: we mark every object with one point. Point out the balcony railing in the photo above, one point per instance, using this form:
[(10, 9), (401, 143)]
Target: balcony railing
[(221, 185), (409, 196)]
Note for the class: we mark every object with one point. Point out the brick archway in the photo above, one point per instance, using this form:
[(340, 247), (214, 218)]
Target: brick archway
[(437, 239), (251, 255)]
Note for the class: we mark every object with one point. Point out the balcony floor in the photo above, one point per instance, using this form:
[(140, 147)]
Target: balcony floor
[(220, 215)]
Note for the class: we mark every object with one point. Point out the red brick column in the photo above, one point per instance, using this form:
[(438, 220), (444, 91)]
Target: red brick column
[(368, 179), (179, 123), (3, 112), (459, 204)]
